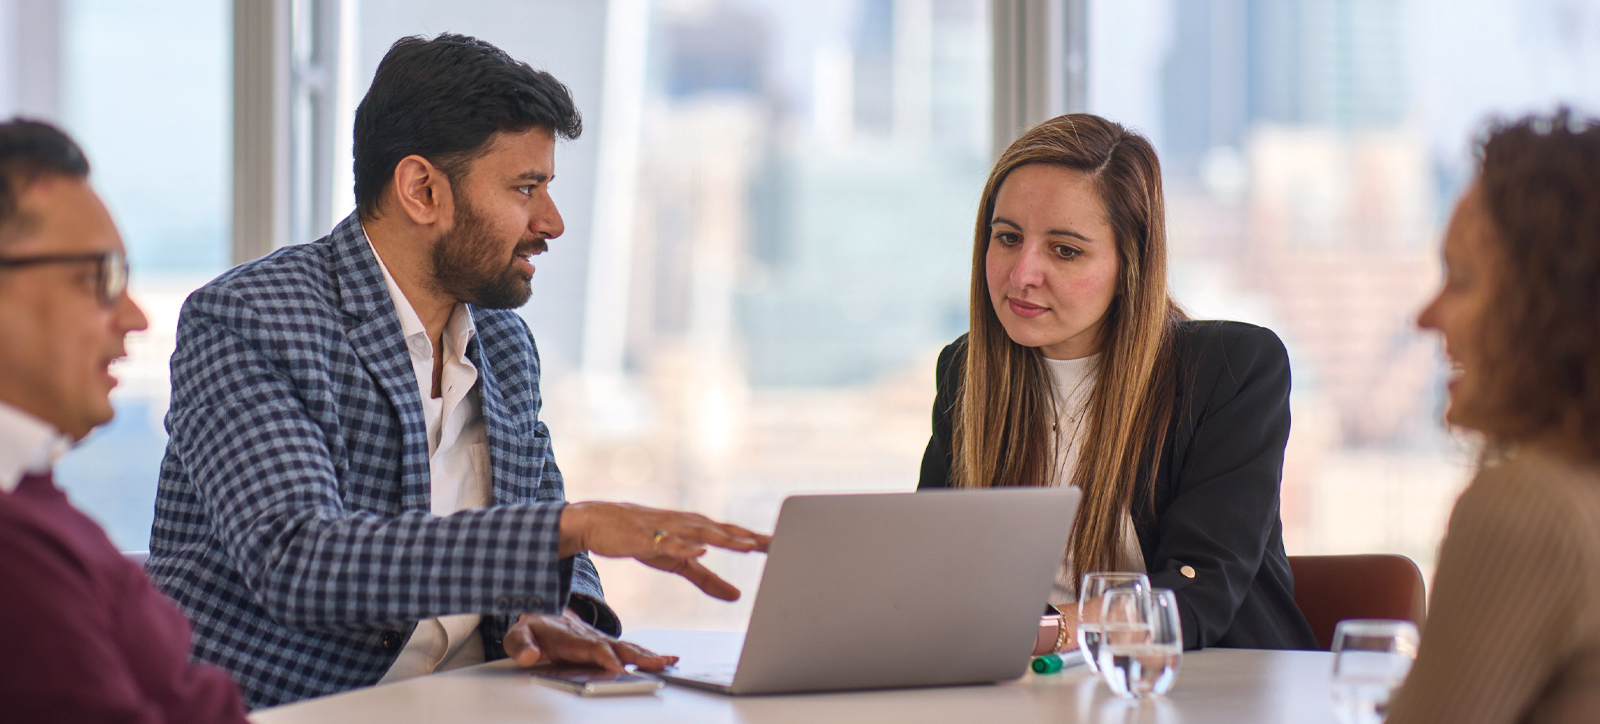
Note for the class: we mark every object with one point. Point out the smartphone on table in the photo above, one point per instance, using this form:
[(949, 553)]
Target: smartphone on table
[(594, 681)]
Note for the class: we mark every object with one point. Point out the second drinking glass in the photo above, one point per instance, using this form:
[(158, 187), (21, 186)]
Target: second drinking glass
[(1371, 660), (1091, 594), (1142, 642)]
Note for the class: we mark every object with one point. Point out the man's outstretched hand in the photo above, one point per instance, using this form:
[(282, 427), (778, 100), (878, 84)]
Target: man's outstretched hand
[(566, 639), (664, 539)]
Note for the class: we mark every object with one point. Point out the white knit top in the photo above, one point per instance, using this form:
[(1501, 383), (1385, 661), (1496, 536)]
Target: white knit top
[(1073, 382)]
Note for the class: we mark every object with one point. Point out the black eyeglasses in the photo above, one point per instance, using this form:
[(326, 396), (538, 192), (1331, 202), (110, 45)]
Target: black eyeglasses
[(110, 270)]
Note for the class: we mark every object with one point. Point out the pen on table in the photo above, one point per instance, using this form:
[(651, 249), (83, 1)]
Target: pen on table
[(1047, 664)]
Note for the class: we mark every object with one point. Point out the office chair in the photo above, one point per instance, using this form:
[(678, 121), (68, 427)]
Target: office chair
[(1330, 589)]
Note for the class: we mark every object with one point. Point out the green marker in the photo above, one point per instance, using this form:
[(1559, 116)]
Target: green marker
[(1047, 664)]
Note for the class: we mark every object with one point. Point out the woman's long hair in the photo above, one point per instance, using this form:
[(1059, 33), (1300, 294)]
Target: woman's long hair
[(1003, 419)]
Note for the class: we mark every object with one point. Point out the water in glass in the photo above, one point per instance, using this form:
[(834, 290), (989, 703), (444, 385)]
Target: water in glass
[(1089, 635), (1371, 660), (1140, 670), (1091, 595), (1141, 642)]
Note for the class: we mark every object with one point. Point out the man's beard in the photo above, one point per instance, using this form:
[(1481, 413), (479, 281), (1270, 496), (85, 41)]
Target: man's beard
[(468, 264)]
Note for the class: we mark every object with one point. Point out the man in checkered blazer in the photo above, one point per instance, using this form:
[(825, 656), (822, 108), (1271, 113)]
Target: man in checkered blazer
[(357, 486)]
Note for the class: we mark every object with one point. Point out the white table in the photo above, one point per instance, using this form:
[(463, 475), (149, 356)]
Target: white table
[(1220, 686)]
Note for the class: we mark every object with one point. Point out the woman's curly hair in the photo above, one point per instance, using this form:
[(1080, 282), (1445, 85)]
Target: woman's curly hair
[(1540, 179)]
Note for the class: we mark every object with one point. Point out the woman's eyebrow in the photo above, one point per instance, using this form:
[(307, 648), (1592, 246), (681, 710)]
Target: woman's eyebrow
[(1053, 232), (1067, 232)]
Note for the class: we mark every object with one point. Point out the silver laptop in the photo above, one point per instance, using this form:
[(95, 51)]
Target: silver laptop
[(898, 590)]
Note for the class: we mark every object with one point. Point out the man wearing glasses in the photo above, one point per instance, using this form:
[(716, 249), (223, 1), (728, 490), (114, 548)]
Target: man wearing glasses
[(86, 636)]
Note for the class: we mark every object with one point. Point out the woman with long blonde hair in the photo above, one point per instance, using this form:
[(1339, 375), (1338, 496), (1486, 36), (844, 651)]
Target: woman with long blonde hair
[(1079, 369)]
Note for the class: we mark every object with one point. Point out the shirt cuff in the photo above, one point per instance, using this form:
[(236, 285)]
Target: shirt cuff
[(595, 613)]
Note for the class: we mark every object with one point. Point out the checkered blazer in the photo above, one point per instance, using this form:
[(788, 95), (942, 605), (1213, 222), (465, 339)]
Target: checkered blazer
[(292, 520)]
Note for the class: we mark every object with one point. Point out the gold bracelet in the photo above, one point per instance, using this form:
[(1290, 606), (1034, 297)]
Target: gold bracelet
[(1062, 636)]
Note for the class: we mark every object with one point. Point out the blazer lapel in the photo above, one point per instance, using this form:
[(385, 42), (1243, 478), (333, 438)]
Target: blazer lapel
[(496, 422), (377, 340)]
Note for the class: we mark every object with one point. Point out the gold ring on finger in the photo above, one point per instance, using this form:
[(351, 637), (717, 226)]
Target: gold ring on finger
[(655, 542)]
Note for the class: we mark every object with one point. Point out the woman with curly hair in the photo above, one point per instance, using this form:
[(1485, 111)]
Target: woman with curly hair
[(1079, 369), (1513, 630)]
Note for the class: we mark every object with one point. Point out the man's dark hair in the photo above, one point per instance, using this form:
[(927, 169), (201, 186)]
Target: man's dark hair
[(29, 150), (444, 99)]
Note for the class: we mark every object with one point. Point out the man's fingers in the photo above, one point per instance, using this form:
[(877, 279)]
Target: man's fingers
[(705, 580), (642, 657), (622, 529), (565, 644), (731, 537), (691, 568), (603, 654), (677, 546), (745, 533), (520, 646)]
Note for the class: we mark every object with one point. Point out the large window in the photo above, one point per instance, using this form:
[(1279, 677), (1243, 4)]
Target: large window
[(144, 88), (1312, 151), (798, 253), (769, 221)]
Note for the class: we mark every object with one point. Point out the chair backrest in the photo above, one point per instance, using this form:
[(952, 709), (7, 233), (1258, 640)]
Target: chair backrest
[(1330, 589)]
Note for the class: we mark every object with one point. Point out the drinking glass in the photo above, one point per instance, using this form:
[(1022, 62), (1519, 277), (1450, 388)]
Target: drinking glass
[(1142, 642), (1371, 660), (1090, 593)]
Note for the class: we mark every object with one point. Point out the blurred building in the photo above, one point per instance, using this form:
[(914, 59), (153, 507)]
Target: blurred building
[(1295, 180), (801, 251), (1285, 117)]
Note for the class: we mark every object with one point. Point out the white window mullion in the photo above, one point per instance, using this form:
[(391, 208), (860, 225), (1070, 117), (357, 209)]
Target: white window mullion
[(293, 112), (261, 120), (1040, 53)]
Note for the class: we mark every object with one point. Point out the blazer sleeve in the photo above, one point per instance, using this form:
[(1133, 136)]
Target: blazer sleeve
[(261, 467), (586, 598), (1213, 532), (937, 460)]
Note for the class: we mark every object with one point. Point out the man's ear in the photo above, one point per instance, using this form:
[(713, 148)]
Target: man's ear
[(422, 191)]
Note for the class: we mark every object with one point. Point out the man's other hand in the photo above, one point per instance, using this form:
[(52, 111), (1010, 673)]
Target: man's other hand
[(566, 639)]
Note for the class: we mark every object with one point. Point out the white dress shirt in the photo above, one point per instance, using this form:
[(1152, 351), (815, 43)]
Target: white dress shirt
[(27, 445), (458, 469), (1073, 381)]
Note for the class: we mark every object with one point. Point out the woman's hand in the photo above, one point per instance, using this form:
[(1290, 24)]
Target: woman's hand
[(1050, 629)]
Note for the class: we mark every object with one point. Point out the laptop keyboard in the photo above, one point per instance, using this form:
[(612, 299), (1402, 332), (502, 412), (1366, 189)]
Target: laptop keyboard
[(716, 673)]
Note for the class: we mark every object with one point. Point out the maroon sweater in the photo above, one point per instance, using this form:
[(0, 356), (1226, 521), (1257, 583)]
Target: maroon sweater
[(84, 637)]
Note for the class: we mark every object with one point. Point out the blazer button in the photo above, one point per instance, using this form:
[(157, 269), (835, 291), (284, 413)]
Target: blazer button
[(390, 641), (535, 602), (519, 604), (501, 604), (1187, 571)]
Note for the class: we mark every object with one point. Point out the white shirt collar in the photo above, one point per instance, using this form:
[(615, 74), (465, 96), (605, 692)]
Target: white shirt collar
[(27, 445), (460, 329), (1070, 373)]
